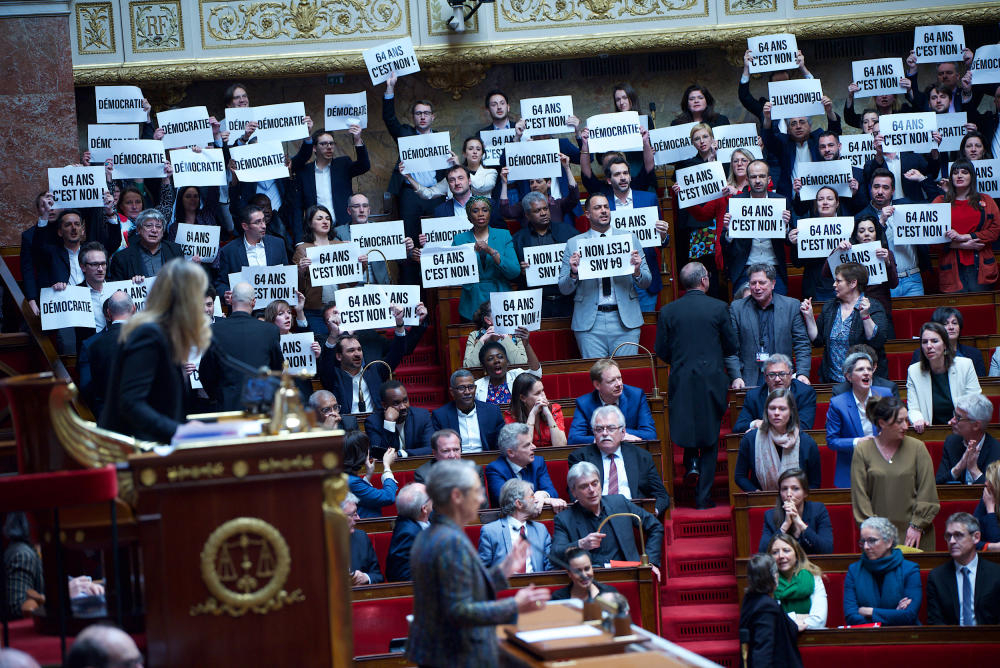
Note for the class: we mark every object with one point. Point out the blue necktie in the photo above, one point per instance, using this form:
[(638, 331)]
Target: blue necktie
[(967, 599)]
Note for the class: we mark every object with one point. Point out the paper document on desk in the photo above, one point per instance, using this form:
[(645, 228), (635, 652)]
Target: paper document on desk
[(559, 633)]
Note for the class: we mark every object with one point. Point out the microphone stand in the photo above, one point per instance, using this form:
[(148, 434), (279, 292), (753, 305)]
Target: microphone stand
[(652, 363), (644, 559)]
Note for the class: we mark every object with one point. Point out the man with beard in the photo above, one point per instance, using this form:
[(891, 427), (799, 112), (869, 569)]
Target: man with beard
[(800, 144), (829, 149), (518, 509)]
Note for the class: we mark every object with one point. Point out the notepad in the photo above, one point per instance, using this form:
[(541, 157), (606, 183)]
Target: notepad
[(558, 633)]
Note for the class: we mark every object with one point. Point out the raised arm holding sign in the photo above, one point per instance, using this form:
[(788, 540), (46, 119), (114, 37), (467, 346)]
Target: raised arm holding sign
[(138, 159), (396, 57), (198, 168), (533, 160), (985, 66), (70, 307), (200, 241), (365, 307), (835, 174), (547, 115), (425, 152), (99, 138), (281, 122), (880, 76), (77, 187), (757, 218), (672, 144), (700, 183), (795, 98), (334, 264), (260, 161), (908, 132), (614, 132), (818, 237), (728, 138), (185, 127), (938, 44)]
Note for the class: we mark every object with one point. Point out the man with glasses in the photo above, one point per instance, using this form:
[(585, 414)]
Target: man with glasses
[(254, 248), (328, 411), (966, 590), (327, 180), (969, 450), (624, 468), (777, 375), (145, 255), (103, 646), (477, 422)]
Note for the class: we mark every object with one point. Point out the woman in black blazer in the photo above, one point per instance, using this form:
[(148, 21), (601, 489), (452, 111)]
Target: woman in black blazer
[(767, 452), (768, 638), (806, 521), (146, 386)]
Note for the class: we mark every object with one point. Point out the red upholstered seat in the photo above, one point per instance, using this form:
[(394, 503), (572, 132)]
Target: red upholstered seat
[(978, 319), (380, 543), (828, 466), (834, 583), (403, 478), (821, 409), (948, 508), (60, 489), (376, 622), (841, 519), (557, 472)]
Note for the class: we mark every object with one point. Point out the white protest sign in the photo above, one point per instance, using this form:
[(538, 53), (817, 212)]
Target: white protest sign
[(137, 292), (769, 53), (605, 257), (388, 238), (672, 144), (700, 183), (731, 137), (879, 76), (272, 283), (833, 173), (217, 311), (859, 149), (863, 254), (204, 168), (334, 264), (298, 353), (425, 153), (985, 66), (406, 297), (138, 158), (440, 231), (757, 218), (77, 187), (987, 176), (281, 122), (614, 132), (185, 127), (236, 122), (396, 56), (237, 277), (938, 44), (920, 223), (546, 115), (260, 161), (818, 237), (195, 376), (641, 222), (120, 104), (365, 307), (345, 109), (952, 128), (444, 267), (71, 307), (644, 121), (99, 138), (199, 240), (511, 310), (544, 263), (908, 132), (795, 97), (493, 143), (537, 159)]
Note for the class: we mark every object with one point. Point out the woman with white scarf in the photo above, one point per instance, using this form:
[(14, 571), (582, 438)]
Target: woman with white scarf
[(777, 445)]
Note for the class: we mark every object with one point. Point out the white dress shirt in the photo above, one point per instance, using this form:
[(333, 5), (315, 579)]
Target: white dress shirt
[(623, 487), (866, 425), (97, 299), (973, 567), (468, 431), (324, 191), (270, 188), (359, 389), (514, 526), (75, 271), (626, 203), (256, 257)]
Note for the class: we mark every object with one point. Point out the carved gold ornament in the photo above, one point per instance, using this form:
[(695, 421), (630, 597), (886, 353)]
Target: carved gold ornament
[(244, 564), (456, 78), (563, 12), (95, 32), (299, 19), (736, 7), (156, 26)]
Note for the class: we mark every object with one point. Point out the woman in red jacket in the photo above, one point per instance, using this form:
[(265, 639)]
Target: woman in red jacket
[(968, 264)]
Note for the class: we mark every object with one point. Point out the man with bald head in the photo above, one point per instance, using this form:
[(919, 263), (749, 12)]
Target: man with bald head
[(414, 508), (800, 144), (15, 658), (103, 646), (98, 351)]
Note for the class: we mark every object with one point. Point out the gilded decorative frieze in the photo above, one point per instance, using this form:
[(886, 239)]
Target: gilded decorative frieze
[(737, 7), (454, 77), (822, 4), (438, 15), (521, 14), (229, 23), (95, 28), (156, 26)]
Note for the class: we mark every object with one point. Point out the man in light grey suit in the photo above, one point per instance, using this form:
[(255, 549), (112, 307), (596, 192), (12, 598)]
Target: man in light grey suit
[(766, 323), (518, 509), (606, 311)]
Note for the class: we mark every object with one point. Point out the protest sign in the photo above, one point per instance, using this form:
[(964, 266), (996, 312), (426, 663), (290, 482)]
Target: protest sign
[(938, 44), (546, 115), (137, 292), (605, 257), (272, 283), (204, 168), (951, 127), (770, 53), (672, 144), (185, 127), (757, 218), (70, 307), (236, 122), (493, 143), (281, 122), (425, 153), (818, 237), (833, 173), (700, 183), (387, 237), (511, 310), (396, 56), (914, 224), (334, 264), (260, 161), (533, 160), (364, 307), (863, 254), (987, 176), (879, 76), (346, 109), (985, 65), (138, 159), (298, 353), (195, 376), (859, 149), (406, 297), (440, 267), (614, 132), (441, 231), (120, 104), (77, 187), (728, 138), (795, 97), (544, 263), (641, 222), (99, 138), (908, 132), (199, 240)]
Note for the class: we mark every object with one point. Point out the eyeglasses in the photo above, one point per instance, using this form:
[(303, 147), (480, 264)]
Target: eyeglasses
[(607, 429), (327, 410), (961, 418), (868, 541), (423, 113), (324, 143), (464, 388), (95, 264), (777, 374), (152, 226), (957, 535)]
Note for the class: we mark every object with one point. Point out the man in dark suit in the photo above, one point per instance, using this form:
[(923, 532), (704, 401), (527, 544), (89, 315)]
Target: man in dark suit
[(970, 449), (364, 564), (254, 248), (609, 390), (252, 342), (30, 254), (328, 411), (518, 460), (148, 251), (540, 230), (766, 323), (97, 352), (478, 423), (519, 508), (624, 468), (966, 590), (398, 425), (445, 444), (777, 374), (327, 180), (459, 193), (60, 265), (694, 334), (800, 134), (829, 149), (413, 508), (577, 527)]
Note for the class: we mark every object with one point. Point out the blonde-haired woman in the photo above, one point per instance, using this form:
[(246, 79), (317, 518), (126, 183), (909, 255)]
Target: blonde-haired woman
[(800, 590), (147, 383), (986, 511)]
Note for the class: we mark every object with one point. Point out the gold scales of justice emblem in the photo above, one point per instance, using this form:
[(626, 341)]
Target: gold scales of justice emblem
[(245, 563)]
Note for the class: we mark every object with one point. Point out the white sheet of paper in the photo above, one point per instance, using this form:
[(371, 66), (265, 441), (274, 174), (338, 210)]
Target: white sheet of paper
[(952, 129), (120, 104), (259, 161), (138, 159), (700, 183), (939, 44), (795, 97), (818, 237), (425, 153), (334, 264), (731, 137), (186, 127), (77, 187), (364, 307), (272, 283), (863, 254), (752, 218), (833, 173), (406, 297), (236, 122), (281, 122), (195, 376), (453, 266), (520, 308), (987, 176), (99, 138), (859, 149), (914, 224), (343, 110), (493, 143), (71, 307), (389, 238), (672, 144), (207, 168), (770, 53), (544, 263), (985, 66), (641, 222), (537, 159), (441, 231), (396, 56), (602, 257), (138, 292), (879, 76), (546, 115), (619, 131), (908, 132), (200, 240), (297, 351)]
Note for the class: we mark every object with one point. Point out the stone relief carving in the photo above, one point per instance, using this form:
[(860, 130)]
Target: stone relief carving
[(156, 26), (735, 7), (95, 31), (517, 14)]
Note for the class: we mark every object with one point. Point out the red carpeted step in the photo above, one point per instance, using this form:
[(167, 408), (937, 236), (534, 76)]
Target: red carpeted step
[(723, 652), (692, 523), (701, 556), (701, 622), (711, 589)]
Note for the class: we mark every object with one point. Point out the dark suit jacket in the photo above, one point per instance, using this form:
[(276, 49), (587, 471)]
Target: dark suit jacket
[(417, 432), (818, 536), (363, 556), (145, 391), (54, 265), (127, 262), (338, 381), (233, 257), (773, 637), (745, 474), (447, 208), (632, 403), (789, 338), (96, 356), (397, 563), (753, 405), (342, 170), (783, 146), (572, 524), (643, 480), (954, 448), (942, 594), (908, 160), (844, 386), (737, 251), (499, 471), (31, 258), (246, 339), (397, 129), (824, 324), (489, 416)]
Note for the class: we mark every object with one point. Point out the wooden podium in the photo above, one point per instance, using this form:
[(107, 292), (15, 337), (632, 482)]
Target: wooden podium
[(245, 553)]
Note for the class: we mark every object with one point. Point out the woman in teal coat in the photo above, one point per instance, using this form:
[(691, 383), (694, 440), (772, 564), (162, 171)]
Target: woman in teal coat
[(498, 264)]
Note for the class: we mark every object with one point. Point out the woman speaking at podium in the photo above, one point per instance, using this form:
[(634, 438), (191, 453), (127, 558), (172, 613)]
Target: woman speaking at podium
[(146, 384)]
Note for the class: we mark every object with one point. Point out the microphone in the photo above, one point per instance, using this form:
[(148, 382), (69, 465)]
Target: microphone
[(652, 115)]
